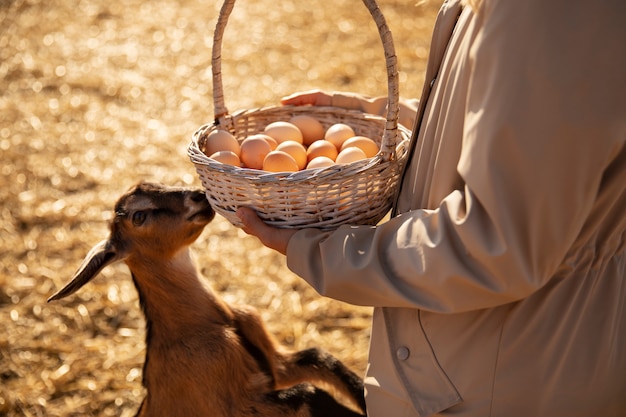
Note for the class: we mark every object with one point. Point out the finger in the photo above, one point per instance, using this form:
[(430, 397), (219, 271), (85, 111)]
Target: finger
[(297, 100), (311, 97)]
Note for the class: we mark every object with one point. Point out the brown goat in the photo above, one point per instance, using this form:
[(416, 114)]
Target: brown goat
[(203, 356)]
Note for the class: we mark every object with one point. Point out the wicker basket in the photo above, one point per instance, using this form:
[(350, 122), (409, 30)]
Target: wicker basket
[(356, 193)]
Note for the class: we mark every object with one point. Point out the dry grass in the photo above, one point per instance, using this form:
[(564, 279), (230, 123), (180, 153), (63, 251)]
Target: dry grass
[(96, 95)]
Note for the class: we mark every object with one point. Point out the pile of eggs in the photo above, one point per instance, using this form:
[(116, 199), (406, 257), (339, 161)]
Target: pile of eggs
[(289, 146)]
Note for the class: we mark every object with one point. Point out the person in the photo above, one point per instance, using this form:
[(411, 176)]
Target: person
[(498, 284)]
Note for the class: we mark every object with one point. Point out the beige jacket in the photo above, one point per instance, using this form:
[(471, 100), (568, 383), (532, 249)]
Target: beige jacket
[(500, 287)]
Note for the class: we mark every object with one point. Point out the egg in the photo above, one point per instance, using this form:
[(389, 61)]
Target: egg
[(310, 127), (253, 150), (270, 140), (296, 150), (283, 131), (226, 157), (338, 133), (350, 154), (279, 161), (320, 162), (321, 148), (221, 140), (366, 144)]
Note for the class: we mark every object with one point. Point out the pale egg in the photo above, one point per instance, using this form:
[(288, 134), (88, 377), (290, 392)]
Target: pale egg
[(310, 127), (296, 150), (226, 157), (351, 154), (338, 133), (321, 148), (270, 140), (283, 131), (320, 162), (279, 161), (254, 148), (221, 140), (366, 144)]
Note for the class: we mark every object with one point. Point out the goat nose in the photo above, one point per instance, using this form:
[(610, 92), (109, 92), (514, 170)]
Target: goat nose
[(197, 196)]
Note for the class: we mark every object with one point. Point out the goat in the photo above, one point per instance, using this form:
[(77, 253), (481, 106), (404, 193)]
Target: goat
[(205, 357)]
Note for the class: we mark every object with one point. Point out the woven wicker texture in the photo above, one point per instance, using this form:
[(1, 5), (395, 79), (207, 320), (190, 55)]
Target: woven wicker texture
[(356, 193)]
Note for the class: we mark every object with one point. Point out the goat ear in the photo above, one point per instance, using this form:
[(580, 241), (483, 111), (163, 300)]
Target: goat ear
[(100, 256)]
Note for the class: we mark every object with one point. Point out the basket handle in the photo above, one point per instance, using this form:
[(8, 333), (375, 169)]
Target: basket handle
[(390, 135)]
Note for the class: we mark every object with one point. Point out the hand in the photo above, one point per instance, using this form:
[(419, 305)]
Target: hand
[(272, 237), (311, 97)]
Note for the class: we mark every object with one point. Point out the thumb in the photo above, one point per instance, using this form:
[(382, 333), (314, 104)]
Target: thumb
[(271, 237), (252, 224)]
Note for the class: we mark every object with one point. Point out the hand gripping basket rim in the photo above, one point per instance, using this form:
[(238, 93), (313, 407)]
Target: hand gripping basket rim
[(357, 193)]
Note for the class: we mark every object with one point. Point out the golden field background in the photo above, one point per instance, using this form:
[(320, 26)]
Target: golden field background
[(97, 95)]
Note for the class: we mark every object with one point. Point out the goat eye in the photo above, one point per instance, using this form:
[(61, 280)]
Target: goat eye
[(139, 217)]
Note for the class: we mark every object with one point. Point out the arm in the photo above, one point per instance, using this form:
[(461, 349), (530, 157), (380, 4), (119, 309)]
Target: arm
[(536, 141)]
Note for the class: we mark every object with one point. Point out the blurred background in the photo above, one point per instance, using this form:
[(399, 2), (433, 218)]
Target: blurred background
[(96, 95)]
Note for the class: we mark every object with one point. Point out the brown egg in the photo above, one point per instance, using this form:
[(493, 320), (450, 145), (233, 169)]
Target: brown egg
[(283, 131), (296, 150), (321, 148), (226, 157), (351, 154), (366, 144), (279, 161), (320, 162), (310, 127), (221, 140), (338, 133), (253, 150)]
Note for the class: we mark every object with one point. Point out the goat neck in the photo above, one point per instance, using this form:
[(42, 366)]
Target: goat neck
[(172, 288)]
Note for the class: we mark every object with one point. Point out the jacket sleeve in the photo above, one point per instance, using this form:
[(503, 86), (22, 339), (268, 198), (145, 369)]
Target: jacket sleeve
[(538, 134)]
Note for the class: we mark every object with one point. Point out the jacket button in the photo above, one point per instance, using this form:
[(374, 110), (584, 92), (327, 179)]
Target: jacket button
[(403, 353)]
